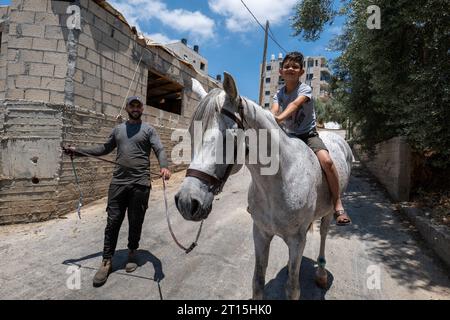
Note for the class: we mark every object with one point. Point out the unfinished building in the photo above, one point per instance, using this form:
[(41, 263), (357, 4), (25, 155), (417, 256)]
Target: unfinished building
[(63, 81)]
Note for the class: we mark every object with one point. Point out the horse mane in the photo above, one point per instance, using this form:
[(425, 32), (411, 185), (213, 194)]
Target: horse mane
[(206, 111)]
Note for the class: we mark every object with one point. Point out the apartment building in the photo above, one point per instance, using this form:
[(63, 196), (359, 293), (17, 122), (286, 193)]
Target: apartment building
[(317, 75)]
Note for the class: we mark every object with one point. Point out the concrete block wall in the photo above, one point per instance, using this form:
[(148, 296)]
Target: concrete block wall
[(66, 87), (391, 164), (4, 14), (31, 49)]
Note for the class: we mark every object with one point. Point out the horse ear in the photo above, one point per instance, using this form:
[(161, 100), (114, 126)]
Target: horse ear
[(198, 89), (229, 85)]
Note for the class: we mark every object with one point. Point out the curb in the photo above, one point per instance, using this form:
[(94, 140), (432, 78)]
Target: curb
[(436, 236)]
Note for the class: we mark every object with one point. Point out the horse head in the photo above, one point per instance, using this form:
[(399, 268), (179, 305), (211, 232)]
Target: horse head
[(216, 119)]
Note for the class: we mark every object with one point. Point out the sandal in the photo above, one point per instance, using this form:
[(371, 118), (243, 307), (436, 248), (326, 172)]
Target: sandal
[(342, 219)]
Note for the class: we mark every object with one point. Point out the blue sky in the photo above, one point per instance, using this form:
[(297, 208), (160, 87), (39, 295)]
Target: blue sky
[(227, 34)]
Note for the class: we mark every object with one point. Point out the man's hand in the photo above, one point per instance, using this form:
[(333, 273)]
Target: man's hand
[(165, 173), (70, 151)]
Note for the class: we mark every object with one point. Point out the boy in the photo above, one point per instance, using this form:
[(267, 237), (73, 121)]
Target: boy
[(297, 113)]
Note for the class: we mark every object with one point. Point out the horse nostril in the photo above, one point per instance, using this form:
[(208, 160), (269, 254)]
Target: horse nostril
[(195, 206), (177, 197)]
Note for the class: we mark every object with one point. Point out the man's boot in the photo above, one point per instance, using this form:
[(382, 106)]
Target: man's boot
[(132, 261), (103, 272)]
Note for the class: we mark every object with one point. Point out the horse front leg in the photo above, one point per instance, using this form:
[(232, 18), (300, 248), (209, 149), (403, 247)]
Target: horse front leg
[(262, 241), (296, 247), (321, 273)]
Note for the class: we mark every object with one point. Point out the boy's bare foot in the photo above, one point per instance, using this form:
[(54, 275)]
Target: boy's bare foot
[(342, 219)]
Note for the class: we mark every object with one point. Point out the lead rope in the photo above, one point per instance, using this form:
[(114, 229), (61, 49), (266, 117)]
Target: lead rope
[(194, 244), (80, 199)]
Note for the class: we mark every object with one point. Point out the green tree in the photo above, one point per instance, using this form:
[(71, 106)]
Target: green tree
[(394, 80)]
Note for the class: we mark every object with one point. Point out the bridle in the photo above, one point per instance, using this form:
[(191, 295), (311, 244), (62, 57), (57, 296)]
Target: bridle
[(214, 184)]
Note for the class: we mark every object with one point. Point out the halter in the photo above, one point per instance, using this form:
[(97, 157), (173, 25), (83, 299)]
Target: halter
[(215, 185)]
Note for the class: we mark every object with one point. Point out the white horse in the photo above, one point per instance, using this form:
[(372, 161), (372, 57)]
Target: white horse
[(284, 204)]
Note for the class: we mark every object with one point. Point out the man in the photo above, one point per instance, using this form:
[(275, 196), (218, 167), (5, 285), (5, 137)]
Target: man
[(130, 185)]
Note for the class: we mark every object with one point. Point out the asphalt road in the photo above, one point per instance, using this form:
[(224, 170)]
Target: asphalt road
[(379, 257)]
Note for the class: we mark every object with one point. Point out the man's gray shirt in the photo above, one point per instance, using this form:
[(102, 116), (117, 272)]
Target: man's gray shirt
[(134, 143), (304, 119)]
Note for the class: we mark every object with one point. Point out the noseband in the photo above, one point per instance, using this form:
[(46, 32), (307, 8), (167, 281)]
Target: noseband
[(216, 185)]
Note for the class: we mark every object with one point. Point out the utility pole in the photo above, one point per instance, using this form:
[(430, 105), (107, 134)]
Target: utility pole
[(263, 66)]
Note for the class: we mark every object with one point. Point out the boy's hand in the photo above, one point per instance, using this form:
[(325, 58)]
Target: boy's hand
[(278, 120), (165, 173)]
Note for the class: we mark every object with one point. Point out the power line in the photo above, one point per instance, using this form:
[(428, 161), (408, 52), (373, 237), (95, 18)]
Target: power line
[(271, 36)]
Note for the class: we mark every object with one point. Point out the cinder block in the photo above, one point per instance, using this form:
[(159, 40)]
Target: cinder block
[(41, 69), (93, 56), (26, 82), (86, 66), (62, 46), (81, 51), (87, 41), (31, 55), (55, 32), (97, 10), (52, 84), (20, 43), (48, 19), (14, 69), (12, 93), (84, 91), (57, 97), (111, 87), (35, 5), (84, 102), (37, 95), (45, 44), (60, 71), (56, 58), (22, 17)]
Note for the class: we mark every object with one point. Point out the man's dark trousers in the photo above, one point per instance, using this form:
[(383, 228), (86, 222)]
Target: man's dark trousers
[(133, 197)]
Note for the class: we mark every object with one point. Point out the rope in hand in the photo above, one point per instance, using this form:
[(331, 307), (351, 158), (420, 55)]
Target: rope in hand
[(80, 201), (194, 244)]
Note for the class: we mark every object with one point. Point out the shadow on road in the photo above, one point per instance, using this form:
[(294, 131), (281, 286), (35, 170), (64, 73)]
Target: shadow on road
[(120, 259), (390, 240), (275, 288)]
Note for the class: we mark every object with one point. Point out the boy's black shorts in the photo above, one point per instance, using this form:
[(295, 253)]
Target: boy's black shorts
[(313, 140)]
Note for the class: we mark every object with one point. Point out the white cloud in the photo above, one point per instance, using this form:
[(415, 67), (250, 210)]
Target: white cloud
[(196, 24), (238, 19), (160, 38)]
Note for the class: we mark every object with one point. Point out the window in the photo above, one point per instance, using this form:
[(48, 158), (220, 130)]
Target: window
[(267, 105), (310, 63), (325, 76), (268, 68), (163, 93), (309, 76), (267, 93), (317, 63), (202, 66), (267, 80)]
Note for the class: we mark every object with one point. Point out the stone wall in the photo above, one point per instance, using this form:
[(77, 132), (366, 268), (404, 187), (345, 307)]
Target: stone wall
[(391, 165)]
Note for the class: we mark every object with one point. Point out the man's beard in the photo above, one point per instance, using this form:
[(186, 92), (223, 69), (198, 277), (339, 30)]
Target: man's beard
[(134, 117)]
